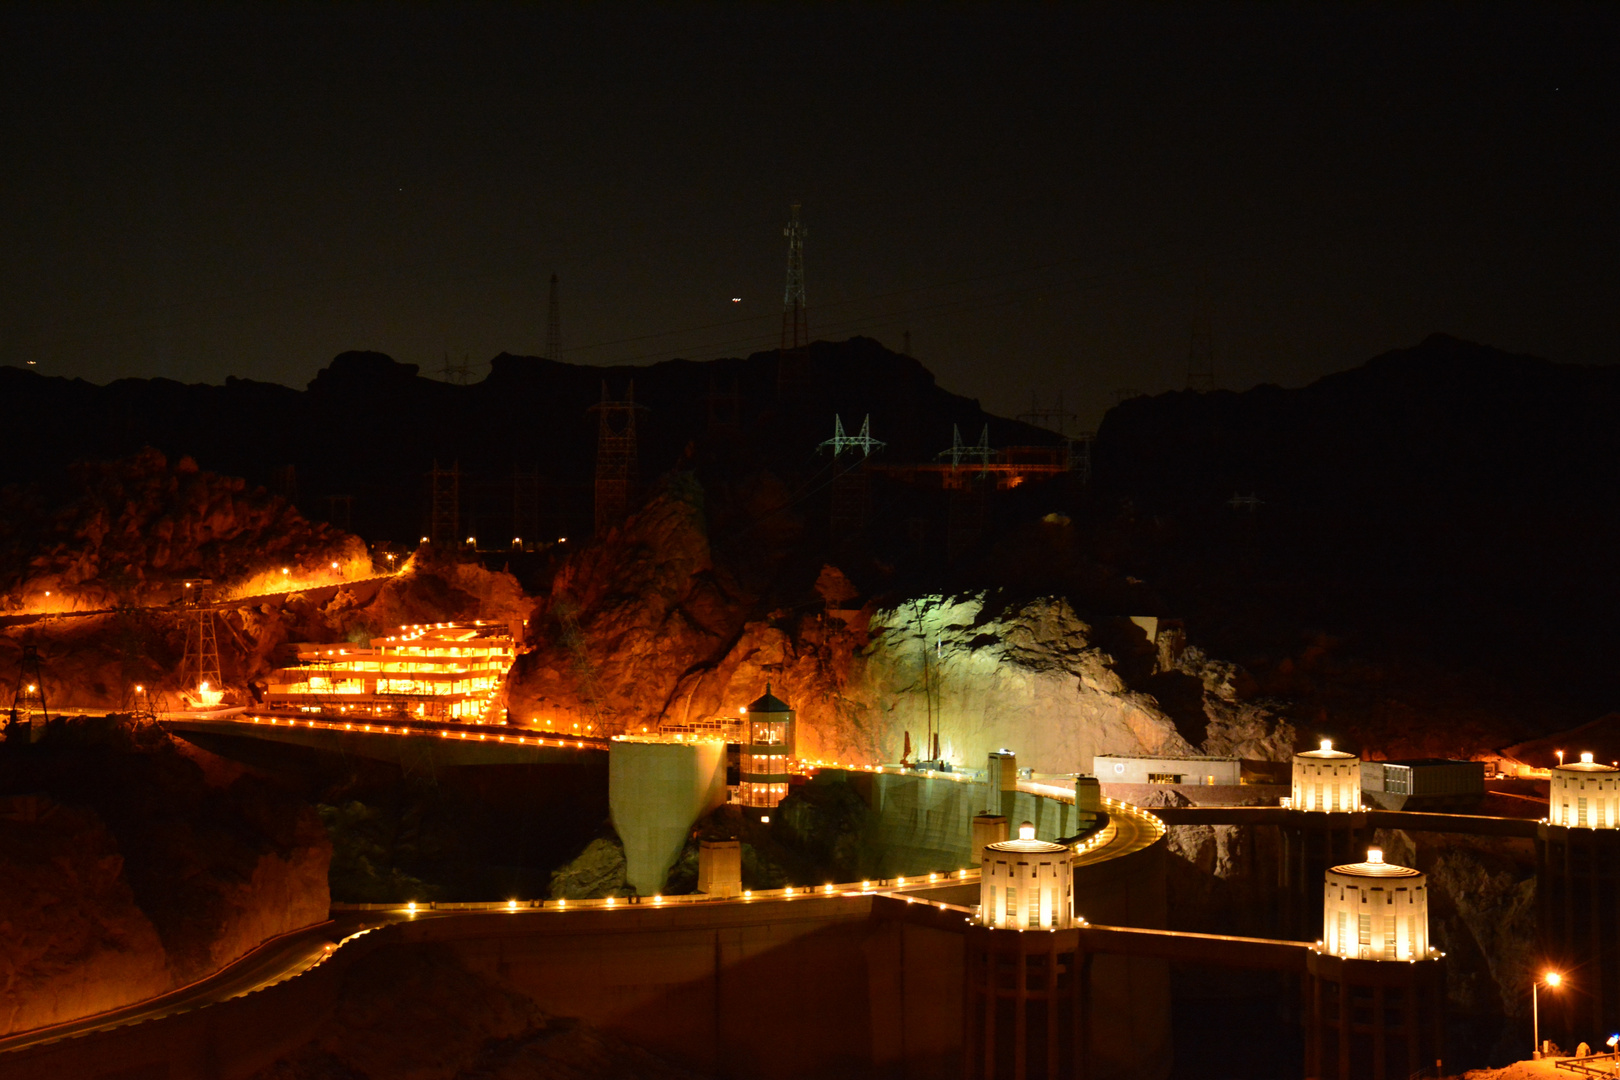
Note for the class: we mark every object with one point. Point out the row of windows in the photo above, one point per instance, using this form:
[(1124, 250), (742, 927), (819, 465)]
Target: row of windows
[(1387, 947), (1599, 816)]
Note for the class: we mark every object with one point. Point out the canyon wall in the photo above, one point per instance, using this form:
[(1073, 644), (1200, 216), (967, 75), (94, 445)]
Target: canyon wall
[(129, 870), (649, 628)]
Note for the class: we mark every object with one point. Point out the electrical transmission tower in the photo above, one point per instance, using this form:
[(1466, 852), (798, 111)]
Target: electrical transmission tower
[(615, 456), (793, 361), (444, 504), (553, 325), (1053, 419), (851, 483), (862, 442), (199, 670), (960, 451), (456, 374), (28, 699), (968, 497), (1201, 355)]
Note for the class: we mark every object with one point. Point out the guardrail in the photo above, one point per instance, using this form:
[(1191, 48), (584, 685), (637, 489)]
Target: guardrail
[(873, 886), (1587, 1066)]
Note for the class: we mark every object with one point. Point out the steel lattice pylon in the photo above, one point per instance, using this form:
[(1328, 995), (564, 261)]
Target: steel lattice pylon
[(199, 670), (851, 483), (616, 458), (793, 361), (28, 700), (444, 504)]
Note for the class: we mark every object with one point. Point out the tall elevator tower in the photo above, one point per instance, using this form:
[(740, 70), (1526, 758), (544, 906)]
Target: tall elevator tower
[(615, 456), (793, 361)]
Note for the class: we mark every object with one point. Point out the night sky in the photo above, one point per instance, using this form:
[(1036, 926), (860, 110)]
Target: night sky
[(1046, 198)]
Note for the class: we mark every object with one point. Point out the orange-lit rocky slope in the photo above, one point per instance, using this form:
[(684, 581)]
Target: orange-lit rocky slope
[(649, 627), (122, 538), (129, 532), (127, 871)]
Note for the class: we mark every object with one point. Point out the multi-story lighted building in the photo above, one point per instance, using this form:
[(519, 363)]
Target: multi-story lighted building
[(1584, 794), (1026, 884), (434, 671), (1375, 910), (1327, 779), (763, 760)]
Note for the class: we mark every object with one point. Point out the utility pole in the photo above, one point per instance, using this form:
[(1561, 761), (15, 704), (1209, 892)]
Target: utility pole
[(616, 459), (793, 360), (553, 325)]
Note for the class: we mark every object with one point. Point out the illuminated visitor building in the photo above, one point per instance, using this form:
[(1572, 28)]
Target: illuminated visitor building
[(1327, 779), (1026, 884), (1375, 990), (1584, 794), (763, 761), (435, 671)]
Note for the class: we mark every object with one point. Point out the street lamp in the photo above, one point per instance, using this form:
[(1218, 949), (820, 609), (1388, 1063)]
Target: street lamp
[(1560, 754), (1553, 979)]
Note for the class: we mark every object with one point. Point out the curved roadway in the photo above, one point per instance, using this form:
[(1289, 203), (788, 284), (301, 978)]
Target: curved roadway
[(275, 961), (1129, 829)]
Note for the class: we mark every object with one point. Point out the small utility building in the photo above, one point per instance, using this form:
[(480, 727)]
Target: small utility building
[(1129, 769)]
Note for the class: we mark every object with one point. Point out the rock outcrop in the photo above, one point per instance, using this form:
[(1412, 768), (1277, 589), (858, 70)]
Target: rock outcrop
[(126, 873), (644, 629), (129, 531), (597, 872), (75, 942)]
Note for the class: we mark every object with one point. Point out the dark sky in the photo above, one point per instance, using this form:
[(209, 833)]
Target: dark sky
[(1044, 197)]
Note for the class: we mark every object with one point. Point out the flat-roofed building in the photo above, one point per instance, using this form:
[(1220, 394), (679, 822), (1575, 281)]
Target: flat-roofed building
[(1422, 782), (1132, 769)]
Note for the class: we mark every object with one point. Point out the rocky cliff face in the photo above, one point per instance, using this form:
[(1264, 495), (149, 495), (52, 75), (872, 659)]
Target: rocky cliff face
[(75, 942), (125, 872), (94, 662), (645, 629), (128, 531)]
